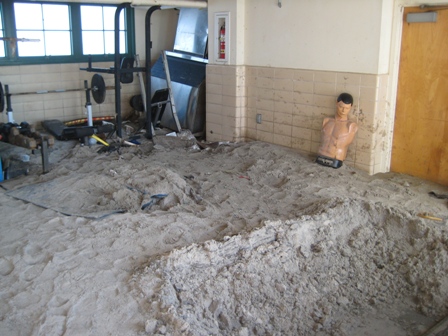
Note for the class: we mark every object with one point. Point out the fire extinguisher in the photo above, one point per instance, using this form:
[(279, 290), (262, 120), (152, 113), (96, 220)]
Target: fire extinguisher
[(222, 42)]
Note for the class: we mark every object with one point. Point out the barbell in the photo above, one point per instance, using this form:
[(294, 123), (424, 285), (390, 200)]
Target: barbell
[(97, 87)]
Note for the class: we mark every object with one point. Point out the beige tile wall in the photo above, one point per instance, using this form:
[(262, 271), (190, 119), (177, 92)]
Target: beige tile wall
[(226, 103), (65, 106), (292, 105)]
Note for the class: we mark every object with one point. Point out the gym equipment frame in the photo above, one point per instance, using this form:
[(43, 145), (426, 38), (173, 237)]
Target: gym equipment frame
[(119, 71)]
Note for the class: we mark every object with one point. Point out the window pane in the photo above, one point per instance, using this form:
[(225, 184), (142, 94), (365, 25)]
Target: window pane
[(57, 43), (92, 43), (122, 26), (56, 17), (123, 45), (2, 44), (109, 38), (31, 48), (109, 42), (47, 22), (101, 19), (28, 16), (92, 17), (109, 18)]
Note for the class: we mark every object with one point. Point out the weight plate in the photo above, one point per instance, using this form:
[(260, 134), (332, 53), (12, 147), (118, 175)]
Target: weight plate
[(98, 88), (2, 98), (137, 103)]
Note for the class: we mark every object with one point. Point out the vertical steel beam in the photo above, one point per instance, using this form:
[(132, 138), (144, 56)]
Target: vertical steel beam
[(117, 66), (148, 46)]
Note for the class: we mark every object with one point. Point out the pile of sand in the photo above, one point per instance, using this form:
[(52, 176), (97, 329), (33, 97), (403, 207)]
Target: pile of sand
[(347, 268), (218, 239)]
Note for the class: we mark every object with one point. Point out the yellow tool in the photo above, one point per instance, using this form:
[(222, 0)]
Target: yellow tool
[(100, 140)]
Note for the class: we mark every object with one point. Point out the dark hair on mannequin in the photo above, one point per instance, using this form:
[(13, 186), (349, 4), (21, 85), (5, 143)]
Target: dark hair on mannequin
[(346, 98)]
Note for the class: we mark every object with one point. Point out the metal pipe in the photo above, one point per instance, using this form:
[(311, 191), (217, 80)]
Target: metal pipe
[(175, 3), (8, 105), (88, 105), (148, 46), (117, 70), (55, 91), (44, 152)]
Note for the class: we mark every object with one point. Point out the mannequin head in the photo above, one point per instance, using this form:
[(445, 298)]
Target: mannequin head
[(346, 98), (344, 104)]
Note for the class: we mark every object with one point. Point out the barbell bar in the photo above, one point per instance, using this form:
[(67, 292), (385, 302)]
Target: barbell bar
[(97, 88)]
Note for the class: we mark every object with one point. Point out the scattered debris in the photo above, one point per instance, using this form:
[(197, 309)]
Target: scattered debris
[(441, 196), (427, 216), (154, 199)]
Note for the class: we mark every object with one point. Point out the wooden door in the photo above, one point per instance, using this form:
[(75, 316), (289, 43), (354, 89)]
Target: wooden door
[(420, 140)]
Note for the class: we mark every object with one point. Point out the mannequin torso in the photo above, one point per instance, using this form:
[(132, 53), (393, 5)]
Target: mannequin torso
[(337, 134)]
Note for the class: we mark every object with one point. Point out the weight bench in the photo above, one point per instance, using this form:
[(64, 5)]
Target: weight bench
[(62, 132)]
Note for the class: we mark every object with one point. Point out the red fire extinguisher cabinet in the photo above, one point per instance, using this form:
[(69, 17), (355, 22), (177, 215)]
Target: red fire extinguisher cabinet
[(222, 41)]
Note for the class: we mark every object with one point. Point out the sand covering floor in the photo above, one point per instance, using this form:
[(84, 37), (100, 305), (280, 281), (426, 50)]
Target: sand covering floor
[(246, 239)]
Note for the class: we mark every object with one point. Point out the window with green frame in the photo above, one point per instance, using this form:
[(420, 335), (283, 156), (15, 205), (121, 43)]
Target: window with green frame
[(58, 32)]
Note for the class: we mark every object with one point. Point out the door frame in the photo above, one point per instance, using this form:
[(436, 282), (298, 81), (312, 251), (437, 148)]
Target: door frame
[(394, 66)]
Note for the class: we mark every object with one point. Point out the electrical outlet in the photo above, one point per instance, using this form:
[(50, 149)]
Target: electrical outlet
[(258, 118)]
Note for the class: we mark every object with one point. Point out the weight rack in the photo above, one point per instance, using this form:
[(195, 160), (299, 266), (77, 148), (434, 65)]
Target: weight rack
[(118, 71)]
